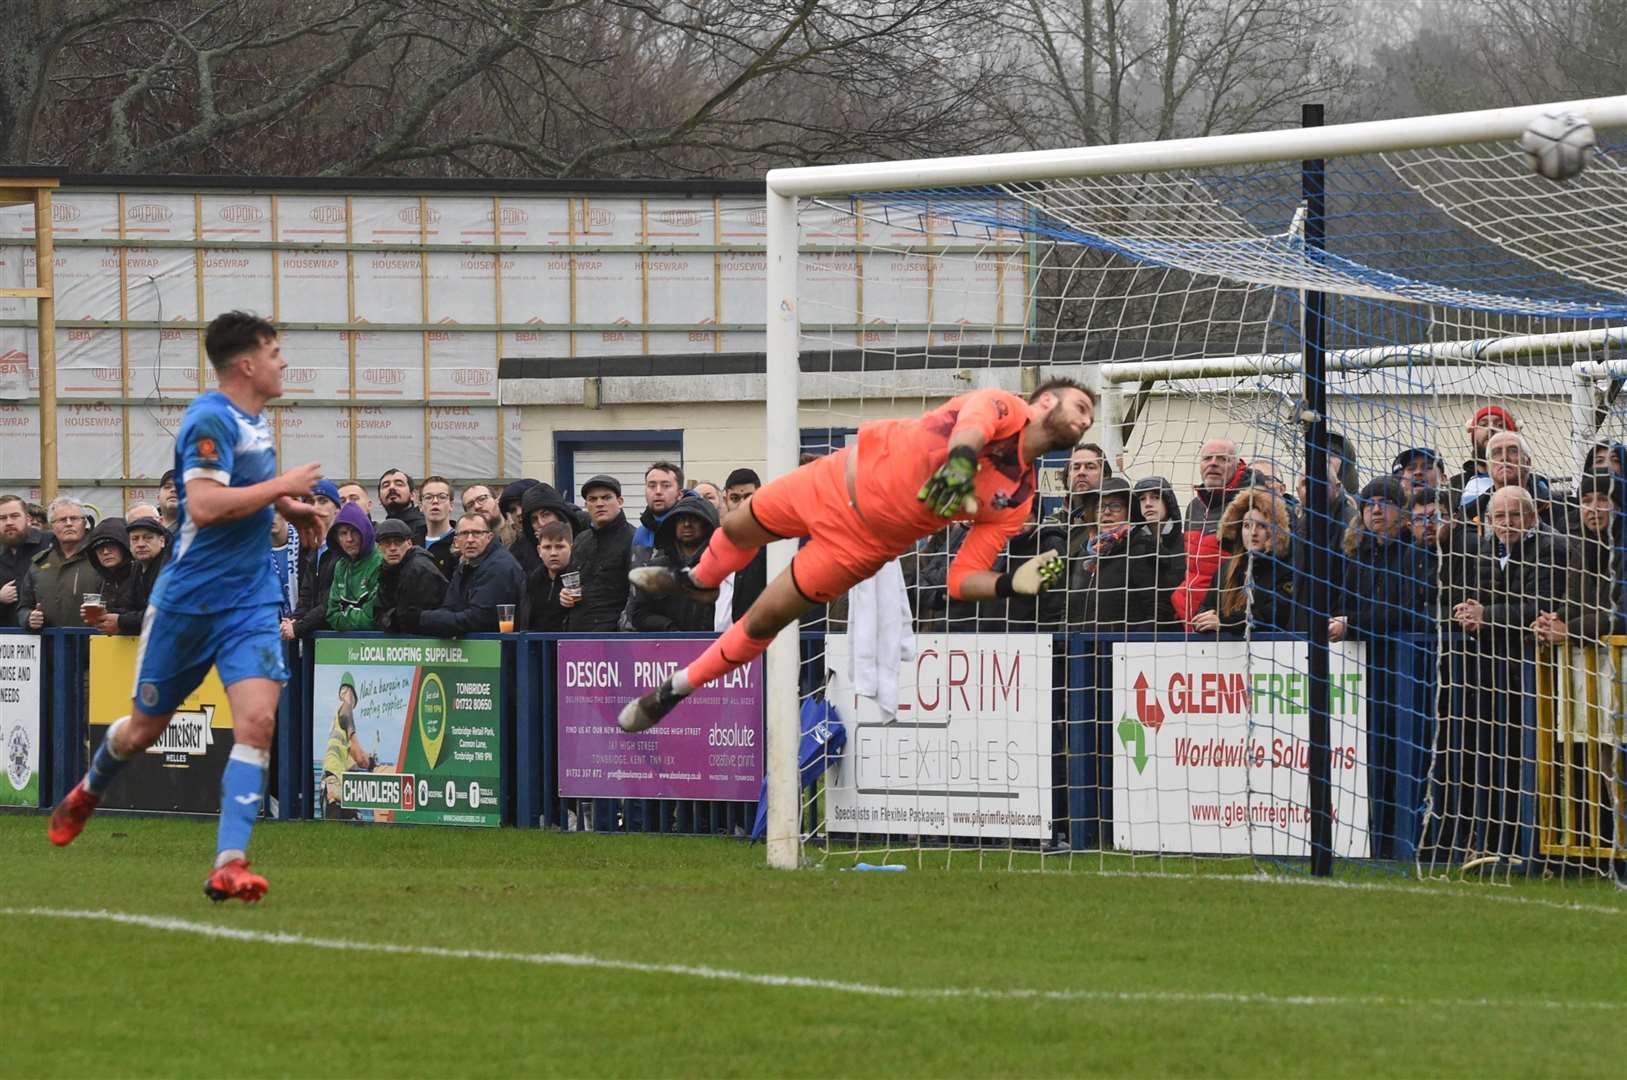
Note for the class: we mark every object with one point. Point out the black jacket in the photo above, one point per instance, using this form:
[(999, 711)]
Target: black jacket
[(603, 556), (662, 614), (414, 519), (1387, 589), (146, 575), (1135, 576), (543, 612), (414, 584), (1534, 579), (749, 583), (1597, 599), (445, 553), (472, 596), (1271, 607), (14, 563), (315, 581)]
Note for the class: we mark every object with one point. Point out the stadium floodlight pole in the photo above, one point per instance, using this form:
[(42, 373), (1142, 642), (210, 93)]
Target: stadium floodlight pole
[(1313, 188), (782, 723)]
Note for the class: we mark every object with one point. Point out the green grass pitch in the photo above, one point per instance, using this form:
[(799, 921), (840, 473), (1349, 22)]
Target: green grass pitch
[(510, 953)]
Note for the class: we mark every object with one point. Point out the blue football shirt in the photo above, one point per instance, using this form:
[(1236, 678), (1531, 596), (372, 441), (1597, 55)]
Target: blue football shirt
[(223, 566)]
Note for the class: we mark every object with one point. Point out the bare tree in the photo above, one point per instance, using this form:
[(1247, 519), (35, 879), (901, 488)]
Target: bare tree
[(1089, 72), (488, 87), (1488, 53)]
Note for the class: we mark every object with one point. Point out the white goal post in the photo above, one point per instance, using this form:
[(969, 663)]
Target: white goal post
[(785, 187)]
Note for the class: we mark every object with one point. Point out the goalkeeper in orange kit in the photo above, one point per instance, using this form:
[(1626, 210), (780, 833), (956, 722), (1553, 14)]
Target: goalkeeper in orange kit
[(863, 506)]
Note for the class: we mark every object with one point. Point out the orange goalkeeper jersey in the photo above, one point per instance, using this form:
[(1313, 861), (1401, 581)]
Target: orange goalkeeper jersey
[(896, 457)]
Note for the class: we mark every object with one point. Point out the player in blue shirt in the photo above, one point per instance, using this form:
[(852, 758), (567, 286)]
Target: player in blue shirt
[(216, 602)]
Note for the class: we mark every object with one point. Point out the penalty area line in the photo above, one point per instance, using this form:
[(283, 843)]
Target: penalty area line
[(172, 925)]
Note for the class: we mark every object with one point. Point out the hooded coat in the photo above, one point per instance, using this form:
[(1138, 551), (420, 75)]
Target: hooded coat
[(120, 584), (1254, 590), (415, 584), (354, 592), (543, 497), (649, 523), (1203, 552), (662, 614), (1157, 561)]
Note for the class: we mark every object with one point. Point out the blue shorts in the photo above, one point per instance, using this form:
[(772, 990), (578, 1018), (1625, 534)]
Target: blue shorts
[(178, 650)]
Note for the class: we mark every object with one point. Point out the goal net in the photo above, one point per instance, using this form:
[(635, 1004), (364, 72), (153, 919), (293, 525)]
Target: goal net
[(1440, 646)]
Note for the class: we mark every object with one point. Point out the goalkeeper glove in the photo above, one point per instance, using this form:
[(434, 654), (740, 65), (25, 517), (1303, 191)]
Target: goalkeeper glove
[(953, 488), (1036, 575)]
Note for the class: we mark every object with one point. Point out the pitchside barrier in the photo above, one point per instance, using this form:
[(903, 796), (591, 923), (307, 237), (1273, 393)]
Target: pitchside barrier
[(519, 729)]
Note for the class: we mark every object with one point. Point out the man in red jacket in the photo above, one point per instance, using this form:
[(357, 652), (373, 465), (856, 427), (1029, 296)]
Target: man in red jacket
[(1221, 474)]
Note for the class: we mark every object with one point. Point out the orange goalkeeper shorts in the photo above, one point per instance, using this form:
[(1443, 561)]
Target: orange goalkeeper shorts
[(842, 549)]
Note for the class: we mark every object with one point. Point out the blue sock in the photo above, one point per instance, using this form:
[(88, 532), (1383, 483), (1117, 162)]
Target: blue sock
[(241, 787), (105, 765)]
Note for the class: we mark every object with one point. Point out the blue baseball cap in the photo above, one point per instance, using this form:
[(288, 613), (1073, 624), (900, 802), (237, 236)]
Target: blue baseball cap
[(328, 490)]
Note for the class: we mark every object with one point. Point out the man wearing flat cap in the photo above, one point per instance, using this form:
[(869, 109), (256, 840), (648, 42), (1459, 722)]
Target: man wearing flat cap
[(602, 555)]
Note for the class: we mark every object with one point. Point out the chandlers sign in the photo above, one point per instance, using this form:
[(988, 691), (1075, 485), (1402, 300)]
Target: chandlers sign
[(181, 771), (969, 753), (408, 730), (1211, 747)]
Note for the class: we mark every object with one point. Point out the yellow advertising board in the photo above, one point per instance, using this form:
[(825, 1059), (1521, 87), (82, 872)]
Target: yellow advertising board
[(181, 771)]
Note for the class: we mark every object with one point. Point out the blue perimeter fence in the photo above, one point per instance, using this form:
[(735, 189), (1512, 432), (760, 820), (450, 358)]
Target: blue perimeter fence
[(1403, 695)]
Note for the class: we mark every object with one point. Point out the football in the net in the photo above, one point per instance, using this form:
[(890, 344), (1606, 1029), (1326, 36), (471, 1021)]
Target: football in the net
[(1558, 144)]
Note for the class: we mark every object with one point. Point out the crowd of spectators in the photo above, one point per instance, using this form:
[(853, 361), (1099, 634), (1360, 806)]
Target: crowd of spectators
[(1495, 552), (403, 557), (1496, 555)]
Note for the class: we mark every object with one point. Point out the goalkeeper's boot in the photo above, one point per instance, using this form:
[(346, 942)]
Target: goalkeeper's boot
[(665, 581), (69, 816), (234, 881), (649, 710)]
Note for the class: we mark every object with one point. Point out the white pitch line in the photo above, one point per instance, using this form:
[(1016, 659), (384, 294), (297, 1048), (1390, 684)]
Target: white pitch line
[(803, 982), (1461, 892)]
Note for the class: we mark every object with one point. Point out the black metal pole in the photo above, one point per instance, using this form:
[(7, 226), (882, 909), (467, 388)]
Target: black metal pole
[(1313, 176)]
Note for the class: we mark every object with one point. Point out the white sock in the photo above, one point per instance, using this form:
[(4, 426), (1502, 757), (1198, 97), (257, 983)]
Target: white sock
[(245, 753), (680, 682), (227, 856), (113, 730)]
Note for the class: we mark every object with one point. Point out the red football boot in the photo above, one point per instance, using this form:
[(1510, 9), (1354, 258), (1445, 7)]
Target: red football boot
[(69, 816), (234, 882)]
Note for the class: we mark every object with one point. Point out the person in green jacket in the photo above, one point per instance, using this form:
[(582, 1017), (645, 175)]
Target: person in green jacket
[(356, 573)]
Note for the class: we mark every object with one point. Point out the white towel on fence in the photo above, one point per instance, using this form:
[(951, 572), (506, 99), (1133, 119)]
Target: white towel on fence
[(881, 636), (723, 608)]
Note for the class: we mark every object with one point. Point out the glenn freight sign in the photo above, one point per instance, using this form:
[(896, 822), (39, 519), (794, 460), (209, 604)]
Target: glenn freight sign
[(1211, 747), (969, 753)]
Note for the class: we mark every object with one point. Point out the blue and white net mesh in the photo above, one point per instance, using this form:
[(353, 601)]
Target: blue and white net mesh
[(1478, 682)]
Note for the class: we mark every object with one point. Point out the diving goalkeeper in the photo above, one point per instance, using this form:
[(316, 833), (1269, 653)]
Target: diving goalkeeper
[(863, 506)]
